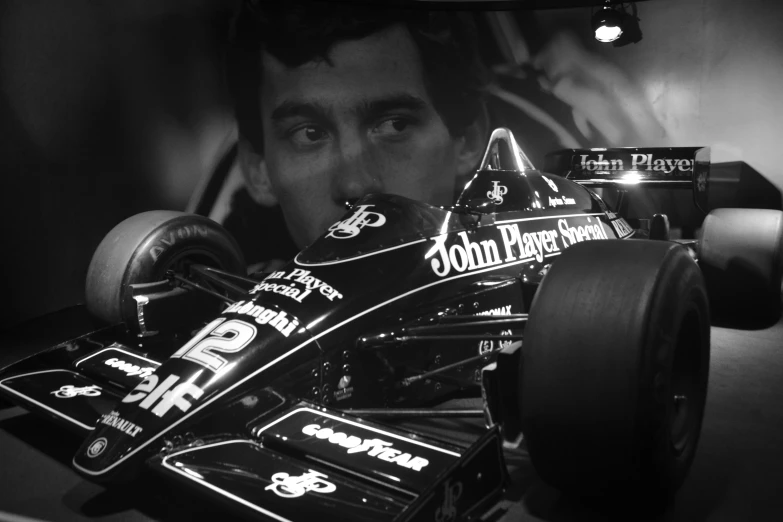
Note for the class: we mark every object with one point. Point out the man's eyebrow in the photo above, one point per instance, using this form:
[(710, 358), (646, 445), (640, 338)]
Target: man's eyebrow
[(291, 109), (394, 102)]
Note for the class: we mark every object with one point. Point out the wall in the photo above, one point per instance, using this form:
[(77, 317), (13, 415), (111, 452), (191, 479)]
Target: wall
[(104, 112), (708, 73)]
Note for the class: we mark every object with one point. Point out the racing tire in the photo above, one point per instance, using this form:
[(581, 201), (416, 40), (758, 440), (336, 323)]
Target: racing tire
[(740, 255), (143, 248), (614, 372)]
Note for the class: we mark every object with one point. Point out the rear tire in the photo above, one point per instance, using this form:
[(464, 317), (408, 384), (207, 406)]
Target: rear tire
[(617, 329), (143, 247), (740, 256)]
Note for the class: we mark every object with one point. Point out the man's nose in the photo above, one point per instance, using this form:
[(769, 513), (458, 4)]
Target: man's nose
[(356, 173)]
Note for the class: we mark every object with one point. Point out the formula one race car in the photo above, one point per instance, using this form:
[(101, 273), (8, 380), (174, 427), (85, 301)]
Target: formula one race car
[(273, 392)]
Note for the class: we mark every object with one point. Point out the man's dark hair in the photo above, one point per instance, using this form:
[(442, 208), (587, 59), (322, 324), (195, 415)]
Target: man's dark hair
[(299, 31)]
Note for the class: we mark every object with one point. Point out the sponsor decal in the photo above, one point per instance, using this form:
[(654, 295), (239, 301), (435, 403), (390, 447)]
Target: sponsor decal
[(278, 320), (377, 448), (114, 420), (218, 336), (164, 395), (622, 227), (289, 486), (130, 369), (489, 345), (467, 255), (497, 192), (550, 183), (638, 162), (353, 225), (560, 201), (300, 276), (503, 310), (179, 234), (97, 447), (344, 388), (447, 512), (67, 391)]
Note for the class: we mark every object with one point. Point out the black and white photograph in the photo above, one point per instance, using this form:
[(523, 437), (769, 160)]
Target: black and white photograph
[(404, 260)]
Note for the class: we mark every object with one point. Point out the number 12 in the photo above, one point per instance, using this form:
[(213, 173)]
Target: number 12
[(218, 336)]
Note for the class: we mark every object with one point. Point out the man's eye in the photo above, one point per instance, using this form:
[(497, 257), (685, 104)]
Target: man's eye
[(308, 135), (393, 126)]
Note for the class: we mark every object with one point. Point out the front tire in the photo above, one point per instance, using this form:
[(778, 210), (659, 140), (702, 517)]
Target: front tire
[(143, 247), (614, 371)]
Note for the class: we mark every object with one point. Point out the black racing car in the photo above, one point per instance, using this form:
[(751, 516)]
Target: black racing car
[(273, 391)]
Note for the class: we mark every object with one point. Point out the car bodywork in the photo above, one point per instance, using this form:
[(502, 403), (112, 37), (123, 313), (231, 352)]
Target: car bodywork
[(273, 405)]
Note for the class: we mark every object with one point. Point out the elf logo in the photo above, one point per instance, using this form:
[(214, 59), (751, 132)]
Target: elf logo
[(163, 396)]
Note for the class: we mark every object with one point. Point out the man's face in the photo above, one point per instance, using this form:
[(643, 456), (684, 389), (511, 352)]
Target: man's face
[(333, 133)]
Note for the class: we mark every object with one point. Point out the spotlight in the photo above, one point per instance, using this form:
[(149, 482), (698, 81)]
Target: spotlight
[(607, 24), (613, 24)]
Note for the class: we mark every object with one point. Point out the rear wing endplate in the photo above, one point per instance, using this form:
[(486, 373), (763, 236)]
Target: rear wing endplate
[(664, 167)]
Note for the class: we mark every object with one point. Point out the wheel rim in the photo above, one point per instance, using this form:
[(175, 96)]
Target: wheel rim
[(182, 261), (685, 385)]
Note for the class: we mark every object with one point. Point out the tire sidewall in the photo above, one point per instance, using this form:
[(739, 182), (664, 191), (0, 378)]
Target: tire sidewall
[(143, 247), (671, 306), (596, 389)]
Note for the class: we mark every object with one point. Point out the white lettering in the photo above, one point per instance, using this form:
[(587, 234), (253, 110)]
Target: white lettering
[(151, 392), (622, 227), (560, 201), (377, 448), (600, 164), (467, 255), (114, 420), (297, 276), (130, 370), (280, 321)]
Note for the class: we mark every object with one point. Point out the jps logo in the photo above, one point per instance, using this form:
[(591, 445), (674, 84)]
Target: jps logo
[(550, 183), (448, 510), (153, 393), (497, 192), (288, 486), (69, 390), (353, 225)]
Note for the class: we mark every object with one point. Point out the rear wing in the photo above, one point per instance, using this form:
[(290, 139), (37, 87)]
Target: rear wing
[(665, 167)]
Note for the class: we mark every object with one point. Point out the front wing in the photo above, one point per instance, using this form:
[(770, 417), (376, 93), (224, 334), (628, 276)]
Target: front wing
[(311, 462)]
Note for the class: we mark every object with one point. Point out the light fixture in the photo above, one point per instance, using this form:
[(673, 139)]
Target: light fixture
[(612, 23), (607, 24)]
